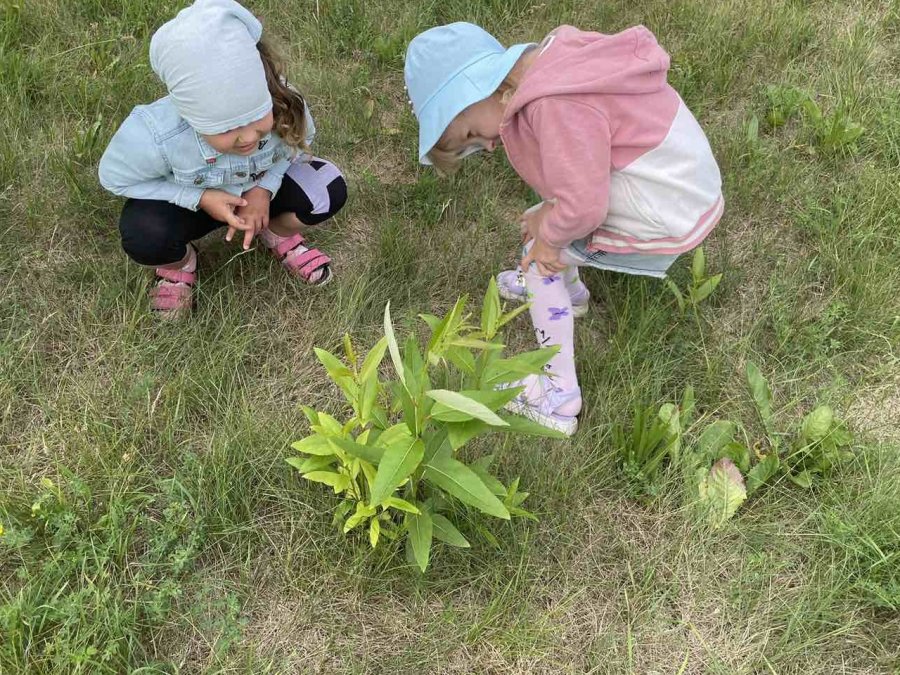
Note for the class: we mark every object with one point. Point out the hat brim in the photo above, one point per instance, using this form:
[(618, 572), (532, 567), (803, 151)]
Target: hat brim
[(471, 85)]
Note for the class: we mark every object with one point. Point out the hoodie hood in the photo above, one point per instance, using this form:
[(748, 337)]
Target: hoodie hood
[(579, 62)]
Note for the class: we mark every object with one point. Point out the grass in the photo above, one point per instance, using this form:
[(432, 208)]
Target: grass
[(150, 523)]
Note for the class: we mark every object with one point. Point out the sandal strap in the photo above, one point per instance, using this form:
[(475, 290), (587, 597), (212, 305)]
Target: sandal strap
[(307, 262), (287, 245), (177, 276)]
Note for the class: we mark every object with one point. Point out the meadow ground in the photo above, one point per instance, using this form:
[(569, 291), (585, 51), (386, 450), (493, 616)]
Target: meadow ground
[(170, 536)]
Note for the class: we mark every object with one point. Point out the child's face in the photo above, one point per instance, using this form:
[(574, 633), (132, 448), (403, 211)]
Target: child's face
[(243, 140), (477, 126)]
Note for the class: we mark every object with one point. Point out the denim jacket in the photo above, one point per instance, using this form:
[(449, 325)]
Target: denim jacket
[(156, 154)]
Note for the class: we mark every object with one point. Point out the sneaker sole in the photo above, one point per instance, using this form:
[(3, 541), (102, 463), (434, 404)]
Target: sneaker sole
[(578, 311), (564, 425)]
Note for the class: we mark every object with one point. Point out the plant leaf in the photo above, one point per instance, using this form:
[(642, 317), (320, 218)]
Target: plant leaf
[(420, 529), (803, 479), (722, 492), (490, 310), (698, 265), (715, 437), (762, 472), (509, 316), (526, 427), (446, 532), (373, 360), (762, 395), (490, 482), (679, 296), (362, 513), (338, 481), (454, 401), (817, 424), (398, 462), (401, 505), (518, 366), (705, 289), (314, 445), (370, 453), (392, 343), (461, 433), (460, 481), (314, 463), (374, 531)]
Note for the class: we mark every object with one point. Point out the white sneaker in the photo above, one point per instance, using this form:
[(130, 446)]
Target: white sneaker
[(512, 287), (542, 402)]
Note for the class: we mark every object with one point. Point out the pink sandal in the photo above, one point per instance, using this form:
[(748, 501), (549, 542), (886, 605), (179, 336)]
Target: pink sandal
[(303, 264), (173, 295)]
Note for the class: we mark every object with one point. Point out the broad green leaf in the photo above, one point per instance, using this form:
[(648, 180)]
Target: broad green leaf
[(398, 462), (369, 471), (722, 492), (314, 445), (373, 360), (817, 424), (307, 464), (420, 528), (446, 532), (348, 350), (490, 482), (841, 435), (414, 367), (762, 472), (490, 310), (737, 453), (437, 445), (461, 358), (311, 414), (394, 434), (698, 265), (333, 365), (715, 437), (328, 426), (526, 427), (679, 297), (461, 433), (803, 479), (342, 510), (371, 454), (446, 330), (460, 481), (401, 505), (368, 393), (471, 343), (518, 366), (455, 401), (374, 531), (509, 316), (431, 320), (762, 395), (670, 415), (392, 343), (338, 481), (705, 289), (363, 512)]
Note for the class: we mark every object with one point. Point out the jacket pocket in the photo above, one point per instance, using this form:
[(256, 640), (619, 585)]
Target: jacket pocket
[(201, 178)]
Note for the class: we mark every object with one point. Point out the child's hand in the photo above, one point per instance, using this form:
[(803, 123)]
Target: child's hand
[(533, 218), (255, 214), (545, 256), (220, 206)]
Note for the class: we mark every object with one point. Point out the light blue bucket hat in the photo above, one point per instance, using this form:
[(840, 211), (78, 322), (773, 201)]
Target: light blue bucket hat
[(448, 68)]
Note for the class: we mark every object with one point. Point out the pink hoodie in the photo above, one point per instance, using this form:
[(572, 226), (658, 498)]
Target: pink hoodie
[(595, 126)]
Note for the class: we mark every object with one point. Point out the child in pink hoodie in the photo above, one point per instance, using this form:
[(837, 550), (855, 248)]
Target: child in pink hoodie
[(626, 175)]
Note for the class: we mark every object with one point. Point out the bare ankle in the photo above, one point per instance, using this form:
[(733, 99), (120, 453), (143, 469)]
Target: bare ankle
[(285, 225)]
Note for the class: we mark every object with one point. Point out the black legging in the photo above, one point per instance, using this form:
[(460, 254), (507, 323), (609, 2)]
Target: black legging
[(156, 233)]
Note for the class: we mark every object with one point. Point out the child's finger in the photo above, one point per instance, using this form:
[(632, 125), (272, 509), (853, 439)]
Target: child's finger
[(248, 238), (230, 234)]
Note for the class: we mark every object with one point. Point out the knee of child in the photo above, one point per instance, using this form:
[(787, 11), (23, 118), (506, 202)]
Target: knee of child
[(148, 241)]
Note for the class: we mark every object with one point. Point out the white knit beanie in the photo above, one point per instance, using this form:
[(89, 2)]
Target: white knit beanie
[(208, 60)]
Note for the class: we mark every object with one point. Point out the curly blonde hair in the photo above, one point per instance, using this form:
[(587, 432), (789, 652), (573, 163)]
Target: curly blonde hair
[(288, 106)]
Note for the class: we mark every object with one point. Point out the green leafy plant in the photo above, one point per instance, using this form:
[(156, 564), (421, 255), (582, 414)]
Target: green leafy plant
[(395, 460), (654, 436), (833, 131), (724, 472), (700, 287), (783, 103)]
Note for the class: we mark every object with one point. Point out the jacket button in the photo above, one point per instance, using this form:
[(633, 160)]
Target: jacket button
[(241, 174), (198, 180)]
